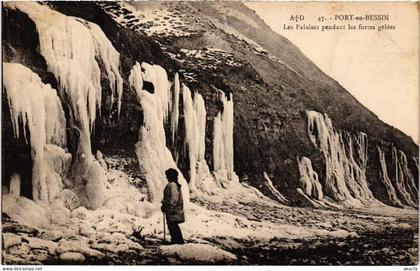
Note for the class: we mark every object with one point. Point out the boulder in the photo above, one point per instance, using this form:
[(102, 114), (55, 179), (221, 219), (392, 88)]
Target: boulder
[(58, 213), (25, 211), (197, 253), (86, 229), (78, 246), (79, 212), (37, 243), (113, 248), (53, 235), (71, 200), (72, 257), (11, 239)]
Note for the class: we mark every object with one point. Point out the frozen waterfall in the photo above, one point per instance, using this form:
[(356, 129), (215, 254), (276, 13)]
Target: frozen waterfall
[(223, 140), (401, 187), (71, 47), (345, 167), (195, 131), (308, 181), (175, 108), (153, 155), (36, 105), (389, 188)]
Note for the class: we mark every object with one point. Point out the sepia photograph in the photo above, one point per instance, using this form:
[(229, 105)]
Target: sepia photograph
[(197, 133)]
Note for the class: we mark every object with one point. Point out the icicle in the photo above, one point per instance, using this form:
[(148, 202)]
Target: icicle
[(195, 131), (191, 132), (269, 184), (404, 179), (70, 46), (309, 179), (162, 87), (345, 175), (416, 162), (389, 188), (39, 108), (223, 140), (402, 189), (408, 176), (200, 116), (14, 186), (175, 108), (111, 60), (153, 155)]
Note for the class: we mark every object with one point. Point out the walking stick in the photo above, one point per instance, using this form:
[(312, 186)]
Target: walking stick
[(164, 227)]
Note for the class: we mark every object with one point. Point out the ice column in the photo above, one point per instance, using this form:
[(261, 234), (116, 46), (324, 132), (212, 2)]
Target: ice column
[(153, 155), (175, 108), (308, 181), (162, 87), (273, 191), (70, 46), (36, 105), (223, 140), (195, 131)]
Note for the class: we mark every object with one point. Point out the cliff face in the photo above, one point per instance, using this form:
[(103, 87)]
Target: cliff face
[(222, 47)]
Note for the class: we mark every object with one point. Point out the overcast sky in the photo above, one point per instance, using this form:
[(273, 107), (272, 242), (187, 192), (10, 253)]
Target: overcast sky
[(379, 68)]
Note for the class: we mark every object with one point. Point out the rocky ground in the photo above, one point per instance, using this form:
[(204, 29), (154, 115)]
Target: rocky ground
[(374, 236), (374, 240)]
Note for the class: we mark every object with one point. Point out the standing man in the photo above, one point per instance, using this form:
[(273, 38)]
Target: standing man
[(173, 206)]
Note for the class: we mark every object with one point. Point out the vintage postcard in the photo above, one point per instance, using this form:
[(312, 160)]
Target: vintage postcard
[(209, 133)]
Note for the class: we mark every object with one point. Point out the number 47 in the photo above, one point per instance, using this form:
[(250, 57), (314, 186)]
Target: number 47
[(321, 19)]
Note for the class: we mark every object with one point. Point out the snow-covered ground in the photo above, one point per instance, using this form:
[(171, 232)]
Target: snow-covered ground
[(130, 224), (115, 217), (153, 19)]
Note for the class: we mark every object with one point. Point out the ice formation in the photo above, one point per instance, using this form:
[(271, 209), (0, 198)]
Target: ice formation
[(175, 108), (14, 186), (401, 188), (389, 188), (156, 75), (71, 47), (36, 105), (416, 161), (345, 167), (153, 155), (309, 179), (269, 184), (404, 178), (195, 132), (223, 140), (310, 189)]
